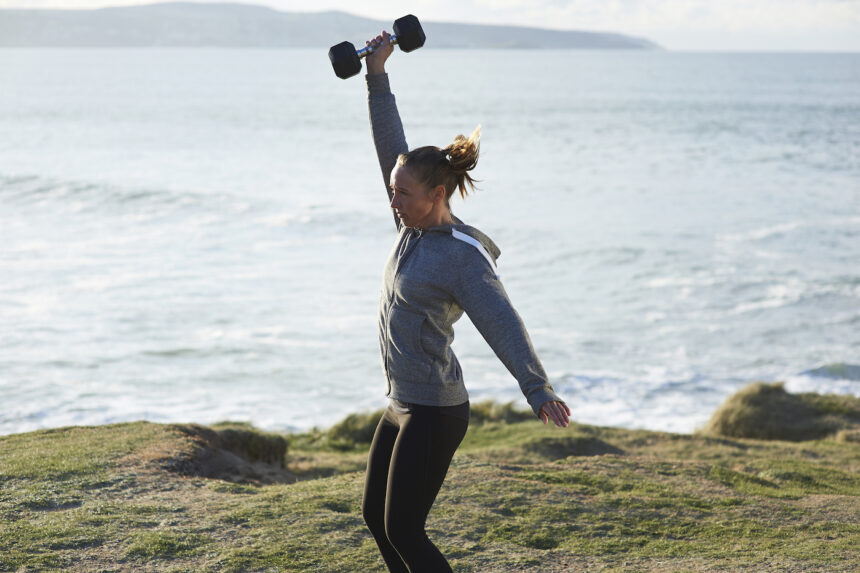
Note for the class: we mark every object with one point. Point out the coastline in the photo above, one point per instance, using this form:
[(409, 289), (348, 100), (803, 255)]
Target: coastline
[(156, 497)]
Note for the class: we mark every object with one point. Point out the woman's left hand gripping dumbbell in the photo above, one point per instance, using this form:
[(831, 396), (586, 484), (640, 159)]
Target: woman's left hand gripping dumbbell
[(382, 48)]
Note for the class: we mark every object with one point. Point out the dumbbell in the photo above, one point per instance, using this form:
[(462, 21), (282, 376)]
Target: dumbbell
[(346, 61)]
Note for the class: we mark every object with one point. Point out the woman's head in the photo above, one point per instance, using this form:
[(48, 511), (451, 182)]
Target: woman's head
[(448, 166), (437, 173)]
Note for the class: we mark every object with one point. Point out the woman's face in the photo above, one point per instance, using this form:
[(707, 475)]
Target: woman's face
[(412, 201)]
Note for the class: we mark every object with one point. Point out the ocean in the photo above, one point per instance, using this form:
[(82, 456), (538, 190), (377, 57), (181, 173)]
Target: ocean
[(196, 235)]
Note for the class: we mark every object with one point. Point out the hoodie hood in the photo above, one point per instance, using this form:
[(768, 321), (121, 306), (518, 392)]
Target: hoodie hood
[(476, 234)]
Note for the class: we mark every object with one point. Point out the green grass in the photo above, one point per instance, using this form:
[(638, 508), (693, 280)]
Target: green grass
[(519, 496)]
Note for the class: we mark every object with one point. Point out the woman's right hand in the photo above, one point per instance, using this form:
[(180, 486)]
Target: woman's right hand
[(382, 48)]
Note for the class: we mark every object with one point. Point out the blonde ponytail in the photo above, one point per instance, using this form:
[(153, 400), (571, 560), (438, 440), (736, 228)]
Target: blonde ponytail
[(462, 154), (449, 166)]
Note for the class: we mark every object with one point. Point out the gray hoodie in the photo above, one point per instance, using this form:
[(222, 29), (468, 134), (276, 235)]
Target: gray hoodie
[(431, 277)]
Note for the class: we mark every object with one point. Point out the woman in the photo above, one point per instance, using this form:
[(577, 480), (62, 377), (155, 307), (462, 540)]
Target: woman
[(438, 269)]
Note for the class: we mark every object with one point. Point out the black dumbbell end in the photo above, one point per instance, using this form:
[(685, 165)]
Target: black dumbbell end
[(409, 34), (344, 60)]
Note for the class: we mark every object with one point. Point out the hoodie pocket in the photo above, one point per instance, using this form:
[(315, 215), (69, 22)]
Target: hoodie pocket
[(407, 360)]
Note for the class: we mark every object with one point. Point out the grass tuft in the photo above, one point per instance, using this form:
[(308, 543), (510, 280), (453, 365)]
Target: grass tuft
[(149, 545), (251, 443), (767, 412), (354, 430), (489, 411)]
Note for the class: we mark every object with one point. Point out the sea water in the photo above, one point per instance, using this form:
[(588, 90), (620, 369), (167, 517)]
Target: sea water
[(197, 235)]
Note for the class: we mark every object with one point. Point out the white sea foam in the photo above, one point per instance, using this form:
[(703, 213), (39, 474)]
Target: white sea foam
[(662, 282), (822, 385), (775, 296), (764, 233)]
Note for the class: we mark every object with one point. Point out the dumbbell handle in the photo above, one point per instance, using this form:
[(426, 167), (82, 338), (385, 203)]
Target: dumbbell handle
[(367, 50)]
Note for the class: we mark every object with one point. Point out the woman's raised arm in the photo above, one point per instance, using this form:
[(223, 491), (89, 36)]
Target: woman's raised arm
[(385, 124)]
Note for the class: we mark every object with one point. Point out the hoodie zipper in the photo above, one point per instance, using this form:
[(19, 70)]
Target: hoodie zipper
[(398, 265)]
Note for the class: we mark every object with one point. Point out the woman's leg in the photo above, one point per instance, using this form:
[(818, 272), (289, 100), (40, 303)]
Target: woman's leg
[(419, 462), (376, 485)]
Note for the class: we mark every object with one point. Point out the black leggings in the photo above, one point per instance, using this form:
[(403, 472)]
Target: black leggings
[(409, 458)]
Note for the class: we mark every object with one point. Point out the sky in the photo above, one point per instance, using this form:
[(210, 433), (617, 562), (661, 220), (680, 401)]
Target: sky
[(694, 25)]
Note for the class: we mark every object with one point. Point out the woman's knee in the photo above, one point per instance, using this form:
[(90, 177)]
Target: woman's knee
[(402, 531)]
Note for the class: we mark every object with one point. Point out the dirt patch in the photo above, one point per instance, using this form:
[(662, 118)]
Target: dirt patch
[(562, 447)]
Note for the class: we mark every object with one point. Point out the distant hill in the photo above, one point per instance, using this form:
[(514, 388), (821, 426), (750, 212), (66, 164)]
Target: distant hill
[(186, 24)]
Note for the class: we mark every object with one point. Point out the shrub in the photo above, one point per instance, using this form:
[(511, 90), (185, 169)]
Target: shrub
[(354, 429), (767, 412)]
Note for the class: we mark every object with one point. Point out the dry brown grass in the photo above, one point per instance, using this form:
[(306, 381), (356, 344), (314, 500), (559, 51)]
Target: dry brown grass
[(766, 411)]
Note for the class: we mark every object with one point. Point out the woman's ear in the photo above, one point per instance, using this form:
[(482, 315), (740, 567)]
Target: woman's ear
[(439, 193)]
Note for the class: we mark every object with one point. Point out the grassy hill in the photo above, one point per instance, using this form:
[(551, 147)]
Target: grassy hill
[(520, 496)]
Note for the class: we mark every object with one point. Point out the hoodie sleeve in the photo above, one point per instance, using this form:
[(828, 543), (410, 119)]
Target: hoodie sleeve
[(481, 294), (386, 128)]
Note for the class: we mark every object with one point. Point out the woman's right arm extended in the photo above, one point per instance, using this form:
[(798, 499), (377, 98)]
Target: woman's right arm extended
[(385, 124)]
